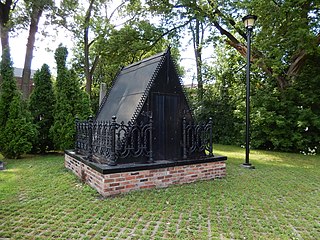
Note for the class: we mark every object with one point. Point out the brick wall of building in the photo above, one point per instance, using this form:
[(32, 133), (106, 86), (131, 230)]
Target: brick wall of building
[(123, 182)]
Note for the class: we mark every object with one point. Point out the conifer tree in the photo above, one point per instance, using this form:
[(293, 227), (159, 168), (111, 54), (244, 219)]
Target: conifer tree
[(42, 102), (8, 88), (69, 103), (16, 129), (19, 131)]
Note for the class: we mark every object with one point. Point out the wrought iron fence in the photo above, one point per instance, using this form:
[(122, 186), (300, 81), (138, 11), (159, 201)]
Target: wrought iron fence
[(109, 141), (82, 136), (196, 137)]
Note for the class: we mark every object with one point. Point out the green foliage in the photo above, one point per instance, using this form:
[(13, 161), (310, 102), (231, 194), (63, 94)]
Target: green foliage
[(286, 27), (70, 102), (24, 11), (134, 41), (16, 128), (8, 88), (283, 120), (223, 98), (19, 132), (289, 120), (63, 129), (130, 43), (219, 109), (42, 102), (285, 57), (84, 106)]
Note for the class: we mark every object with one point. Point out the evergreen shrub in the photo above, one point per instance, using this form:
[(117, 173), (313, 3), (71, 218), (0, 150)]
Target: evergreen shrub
[(16, 128), (42, 102)]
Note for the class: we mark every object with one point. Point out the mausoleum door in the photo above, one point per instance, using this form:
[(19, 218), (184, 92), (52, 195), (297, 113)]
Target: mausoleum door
[(166, 126)]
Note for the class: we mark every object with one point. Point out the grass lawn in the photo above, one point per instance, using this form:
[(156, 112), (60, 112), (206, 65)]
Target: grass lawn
[(280, 199)]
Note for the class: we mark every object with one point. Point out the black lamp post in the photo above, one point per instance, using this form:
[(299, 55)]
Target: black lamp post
[(249, 21)]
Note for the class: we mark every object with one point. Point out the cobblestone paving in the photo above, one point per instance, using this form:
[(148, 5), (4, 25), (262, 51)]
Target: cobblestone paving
[(39, 199)]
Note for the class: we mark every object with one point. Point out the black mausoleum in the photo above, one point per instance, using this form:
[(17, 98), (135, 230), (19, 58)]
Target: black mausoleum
[(144, 119)]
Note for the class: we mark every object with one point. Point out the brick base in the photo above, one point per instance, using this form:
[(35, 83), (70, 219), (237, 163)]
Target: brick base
[(123, 182)]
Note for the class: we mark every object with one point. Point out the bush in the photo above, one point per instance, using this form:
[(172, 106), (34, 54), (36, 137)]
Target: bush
[(288, 120), (19, 132)]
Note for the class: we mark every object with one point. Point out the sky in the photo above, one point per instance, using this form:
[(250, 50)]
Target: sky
[(43, 51), (45, 47)]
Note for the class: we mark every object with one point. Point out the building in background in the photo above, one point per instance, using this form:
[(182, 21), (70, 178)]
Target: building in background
[(18, 76)]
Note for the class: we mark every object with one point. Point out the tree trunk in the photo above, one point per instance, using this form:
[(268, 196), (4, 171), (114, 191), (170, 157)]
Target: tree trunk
[(197, 45), (5, 9), (4, 37), (4, 44), (87, 71), (26, 74)]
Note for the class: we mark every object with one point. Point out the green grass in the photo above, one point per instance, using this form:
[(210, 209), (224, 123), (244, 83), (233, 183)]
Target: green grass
[(280, 199)]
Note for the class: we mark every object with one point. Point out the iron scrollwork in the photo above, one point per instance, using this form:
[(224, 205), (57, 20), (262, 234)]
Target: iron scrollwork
[(196, 138), (106, 142)]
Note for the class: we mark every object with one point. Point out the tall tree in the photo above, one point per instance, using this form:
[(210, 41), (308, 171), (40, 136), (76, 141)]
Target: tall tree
[(34, 9), (9, 87), (87, 69), (16, 129), (289, 30), (183, 12), (197, 31), (17, 15), (284, 55), (69, 103), (93, 22), (42, 102), (19, 132), (6, 8)]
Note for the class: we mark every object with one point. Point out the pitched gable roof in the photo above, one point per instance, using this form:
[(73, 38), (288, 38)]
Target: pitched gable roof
[(130, 89)]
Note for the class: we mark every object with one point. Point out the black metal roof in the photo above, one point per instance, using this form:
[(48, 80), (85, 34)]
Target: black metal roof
[(130, 89)]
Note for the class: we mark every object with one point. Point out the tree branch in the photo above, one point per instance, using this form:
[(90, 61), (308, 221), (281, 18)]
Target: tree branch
[(116, 9), (257, 57), (14, 5), (232, 23), (276, 3), (86, 48), (298, 60), (92, 42), (226, 18), (297, 63), (94, 64), (169, 31), (226, 33)]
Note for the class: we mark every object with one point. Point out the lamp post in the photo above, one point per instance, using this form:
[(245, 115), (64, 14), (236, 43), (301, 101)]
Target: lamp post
[(249, 21)]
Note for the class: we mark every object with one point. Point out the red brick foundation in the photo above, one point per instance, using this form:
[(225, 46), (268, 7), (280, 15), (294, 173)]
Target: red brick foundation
[(123, 182)]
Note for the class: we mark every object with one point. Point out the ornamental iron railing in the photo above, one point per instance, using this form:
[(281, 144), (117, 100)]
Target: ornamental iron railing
[(196, 138), (107, 142)]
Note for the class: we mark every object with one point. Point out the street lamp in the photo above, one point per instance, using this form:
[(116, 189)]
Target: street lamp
[(249, 21)]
